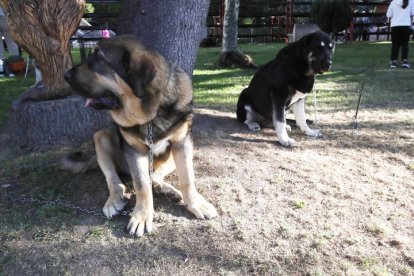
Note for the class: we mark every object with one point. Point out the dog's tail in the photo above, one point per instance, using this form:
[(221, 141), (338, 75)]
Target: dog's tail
[(77, 163)]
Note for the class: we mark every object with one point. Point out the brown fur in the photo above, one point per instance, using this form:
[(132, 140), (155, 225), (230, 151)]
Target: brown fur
[(235, 60), (138, 86)]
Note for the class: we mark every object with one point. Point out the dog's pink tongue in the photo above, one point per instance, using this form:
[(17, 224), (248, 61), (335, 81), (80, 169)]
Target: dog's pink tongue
[(88, 101)]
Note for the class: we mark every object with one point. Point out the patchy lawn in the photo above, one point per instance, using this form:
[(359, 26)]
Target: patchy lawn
[(339, 205)]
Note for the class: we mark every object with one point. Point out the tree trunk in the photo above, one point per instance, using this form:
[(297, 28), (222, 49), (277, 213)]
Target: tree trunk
[(230, 26), (230, 57), (53, 124), (43, 28), (171, 27), (4, 4)]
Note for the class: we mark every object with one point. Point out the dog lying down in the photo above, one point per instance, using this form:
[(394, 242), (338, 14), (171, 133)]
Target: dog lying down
[(284, 82)]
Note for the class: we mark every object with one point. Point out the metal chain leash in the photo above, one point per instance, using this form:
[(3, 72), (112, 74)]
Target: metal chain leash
[(151, 152), (356, 129), (56, 203), (314, 96), (59, 203)]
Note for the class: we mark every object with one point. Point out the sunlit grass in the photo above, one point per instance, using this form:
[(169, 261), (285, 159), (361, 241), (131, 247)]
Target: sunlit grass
[(353, 64), (12, 88)]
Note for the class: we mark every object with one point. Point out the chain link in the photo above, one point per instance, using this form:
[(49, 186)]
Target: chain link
[(356, 129), (151, 152), (316, 109), (59, 203)]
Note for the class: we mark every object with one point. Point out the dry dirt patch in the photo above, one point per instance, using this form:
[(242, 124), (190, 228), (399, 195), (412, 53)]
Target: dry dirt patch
[(340, 205)]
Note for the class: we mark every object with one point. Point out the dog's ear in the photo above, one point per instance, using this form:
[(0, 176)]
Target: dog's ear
[(308, 38), (305, 41), (101, 55), (141, 73)]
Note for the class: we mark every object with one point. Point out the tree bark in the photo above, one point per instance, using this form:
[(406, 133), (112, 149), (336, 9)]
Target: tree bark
[(230, 26), (230, 57), (53, 124), (4, 4), (43, 28), (171, 27)]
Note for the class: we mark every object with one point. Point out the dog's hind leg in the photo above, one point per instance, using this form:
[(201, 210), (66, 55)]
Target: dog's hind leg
[(108, 153), (162, 168), (251, 119), (299, 112)]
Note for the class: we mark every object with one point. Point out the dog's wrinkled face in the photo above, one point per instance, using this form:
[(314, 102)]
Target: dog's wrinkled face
[(319, 49), (111, 72)]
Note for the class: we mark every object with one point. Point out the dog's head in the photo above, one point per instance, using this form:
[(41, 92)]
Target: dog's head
[(318, 48), (117, 69)]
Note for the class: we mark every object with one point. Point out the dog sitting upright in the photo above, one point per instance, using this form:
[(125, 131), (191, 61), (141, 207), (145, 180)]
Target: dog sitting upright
[(138, 85), (283, 82)]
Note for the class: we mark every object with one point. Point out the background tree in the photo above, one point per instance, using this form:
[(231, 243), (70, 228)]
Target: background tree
[(171, 27), (230, 25), (43, 28), (230, 57), (332, 16)]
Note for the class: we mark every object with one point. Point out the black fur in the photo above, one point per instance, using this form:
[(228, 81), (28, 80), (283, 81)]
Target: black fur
[(274, 84)]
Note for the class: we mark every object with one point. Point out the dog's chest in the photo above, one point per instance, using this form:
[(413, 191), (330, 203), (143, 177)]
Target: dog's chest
[(297, 96), (160, 146), (140, 141)]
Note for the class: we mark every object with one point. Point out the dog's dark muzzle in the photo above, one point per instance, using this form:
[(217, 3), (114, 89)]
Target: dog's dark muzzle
[(105, 100), (108, 102), (326, 67), (68, 76), (80, 89)]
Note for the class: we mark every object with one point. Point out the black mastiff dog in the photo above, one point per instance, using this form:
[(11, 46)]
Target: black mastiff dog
[(284, 82), (138, 85)]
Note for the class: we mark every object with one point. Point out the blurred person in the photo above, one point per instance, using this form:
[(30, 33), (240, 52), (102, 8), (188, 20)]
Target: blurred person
[(400, 12), (4, 31)]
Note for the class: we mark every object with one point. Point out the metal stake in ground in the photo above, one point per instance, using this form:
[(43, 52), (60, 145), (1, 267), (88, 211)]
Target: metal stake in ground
[(314, 95), (357, 109)]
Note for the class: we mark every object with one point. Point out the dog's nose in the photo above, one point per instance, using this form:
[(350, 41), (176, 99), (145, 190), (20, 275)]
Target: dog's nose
[(67, 75), (329, 63)]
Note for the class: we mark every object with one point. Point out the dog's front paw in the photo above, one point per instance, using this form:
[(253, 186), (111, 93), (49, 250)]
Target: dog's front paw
[(168, 191), (288, 143), (141, 221), (253, 126), (314, 133), (288, 128), (200, 207), (114, 205)]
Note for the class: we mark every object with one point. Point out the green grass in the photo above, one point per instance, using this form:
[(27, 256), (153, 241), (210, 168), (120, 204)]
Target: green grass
[(219, 88), (340, 205), (353, 63), (12, 88)]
